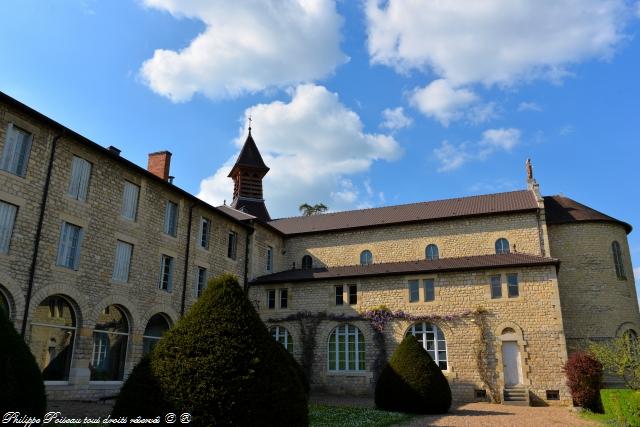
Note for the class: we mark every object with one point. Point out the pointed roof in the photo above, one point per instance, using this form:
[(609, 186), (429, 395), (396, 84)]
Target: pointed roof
[(250, 156)]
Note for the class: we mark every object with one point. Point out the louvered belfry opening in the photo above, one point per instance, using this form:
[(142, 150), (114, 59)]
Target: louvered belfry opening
[(247, 175)]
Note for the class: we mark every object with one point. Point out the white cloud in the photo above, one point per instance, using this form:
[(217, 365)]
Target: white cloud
[(395, 119), (452, 156), (247, 46), (529, 106), (316, 148), (446, 103), (493, 41)]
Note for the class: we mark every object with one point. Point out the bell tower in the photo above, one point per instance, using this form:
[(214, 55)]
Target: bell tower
[(247, 174)]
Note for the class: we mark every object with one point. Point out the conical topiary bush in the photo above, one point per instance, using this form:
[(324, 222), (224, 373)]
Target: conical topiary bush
[(21, 384), (412, 382), (220, 364)]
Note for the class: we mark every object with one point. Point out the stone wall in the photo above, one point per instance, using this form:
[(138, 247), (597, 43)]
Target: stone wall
[(595, 303), (534, 315), (454, 238)]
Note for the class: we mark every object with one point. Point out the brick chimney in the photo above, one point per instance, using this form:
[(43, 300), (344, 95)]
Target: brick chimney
[(159, 164)]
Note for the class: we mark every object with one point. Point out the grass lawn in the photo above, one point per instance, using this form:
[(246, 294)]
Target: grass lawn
[(331, 416)]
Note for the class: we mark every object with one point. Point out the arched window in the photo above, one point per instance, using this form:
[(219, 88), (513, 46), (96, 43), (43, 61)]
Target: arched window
[(366, 258), (617, 260), (433, 340), (158, 325), (110, 339), (283, 336), (502, 246), (431, 252), (346, 349), (53, 331), (5, 306), (307, 262)]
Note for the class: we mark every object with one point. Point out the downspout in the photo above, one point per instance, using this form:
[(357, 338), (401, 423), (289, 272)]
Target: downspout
[(246, 260), (186, 263), (36, 249)]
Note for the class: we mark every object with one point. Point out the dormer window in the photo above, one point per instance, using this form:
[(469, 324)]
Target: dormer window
[(366, 258), (502, 246), (307, 262)]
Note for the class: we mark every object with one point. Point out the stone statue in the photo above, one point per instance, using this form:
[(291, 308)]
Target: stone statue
[(529, 170)]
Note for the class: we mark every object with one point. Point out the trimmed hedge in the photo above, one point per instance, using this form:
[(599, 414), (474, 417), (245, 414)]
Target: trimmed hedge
[(21, 384), (622, 405), (412, 382), (584, 379), (220, 364)]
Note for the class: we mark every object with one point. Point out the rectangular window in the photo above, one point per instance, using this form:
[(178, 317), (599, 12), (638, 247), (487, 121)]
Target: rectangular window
[(271, 299), (130, 197), (166, 273), (414, 290), (232, 245), (7, 220), (496, 286), (15, 154), (201, 281), (339, 295), (79, 182), (553, 394), (284, 298), (269, 258), (429, 290), (205, 227), (353, 294), (512, 282), (69, 248), (171, 219), (122, 263)]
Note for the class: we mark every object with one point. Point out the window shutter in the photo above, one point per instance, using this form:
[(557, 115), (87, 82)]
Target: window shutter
[(170, 284), (10, 143), (83, 184), (79, 236), (130, 200), (7, 220), (62, 247), (23, 149)]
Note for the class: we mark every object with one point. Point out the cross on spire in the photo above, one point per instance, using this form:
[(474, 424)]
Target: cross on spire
[(250, 120)]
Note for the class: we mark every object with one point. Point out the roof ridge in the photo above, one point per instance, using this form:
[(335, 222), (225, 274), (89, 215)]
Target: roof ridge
[(402, 205)]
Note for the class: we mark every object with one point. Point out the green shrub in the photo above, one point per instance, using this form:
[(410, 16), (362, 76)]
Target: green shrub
[(623, 406), (220, 364), (21, 384), (140, 395), (412, 382), (620, 356)]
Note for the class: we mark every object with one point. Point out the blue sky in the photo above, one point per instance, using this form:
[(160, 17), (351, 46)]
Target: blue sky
[(355, 103)]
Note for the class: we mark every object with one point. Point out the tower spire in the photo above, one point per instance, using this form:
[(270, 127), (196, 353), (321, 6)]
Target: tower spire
[(247, 174)]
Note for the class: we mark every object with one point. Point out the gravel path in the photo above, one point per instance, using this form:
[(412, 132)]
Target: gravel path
[(486, 414)]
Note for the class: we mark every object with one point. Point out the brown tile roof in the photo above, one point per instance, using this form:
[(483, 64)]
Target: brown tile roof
[(562, 210), (478, 262), (235, 213), (514, 201)]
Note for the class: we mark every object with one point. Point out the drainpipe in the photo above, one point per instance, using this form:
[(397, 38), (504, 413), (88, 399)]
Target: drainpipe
[(186, 263), (36, 249), (246, 260)]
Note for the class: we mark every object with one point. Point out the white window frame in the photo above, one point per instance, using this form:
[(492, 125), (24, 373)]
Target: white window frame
[(282, 336), (68, 254), (8, 214), (171, 218), (205, 232), (169, 274), (80, 177), (347, 331), (421, 330), (201, 280)]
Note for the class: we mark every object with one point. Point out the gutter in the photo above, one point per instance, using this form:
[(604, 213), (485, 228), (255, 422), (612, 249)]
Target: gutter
[(36, 249), (186, 263), (246, 260)]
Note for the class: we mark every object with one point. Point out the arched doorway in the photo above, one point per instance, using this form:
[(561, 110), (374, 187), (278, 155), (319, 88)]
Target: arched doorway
[(52, 335), (157, 326), (110, 339)]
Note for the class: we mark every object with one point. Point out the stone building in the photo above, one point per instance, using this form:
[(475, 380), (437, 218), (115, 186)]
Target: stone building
[(99, 257)]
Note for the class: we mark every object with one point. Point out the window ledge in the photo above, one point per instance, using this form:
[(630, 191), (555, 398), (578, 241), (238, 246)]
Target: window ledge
[(63, 269), (119, 283), (56, 383), (366, 374), (12, 175)]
